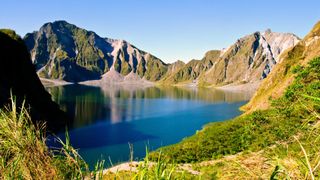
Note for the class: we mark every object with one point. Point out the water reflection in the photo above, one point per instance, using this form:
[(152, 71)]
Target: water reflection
[(89, 105), (82, 103), (108, 118)]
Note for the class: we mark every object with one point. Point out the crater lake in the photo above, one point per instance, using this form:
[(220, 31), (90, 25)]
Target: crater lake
[(107, 120)]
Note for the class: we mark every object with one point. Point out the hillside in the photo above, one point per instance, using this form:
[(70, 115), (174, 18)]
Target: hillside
[(173, 68), (19, 79), (250, 59), (275, 142), (282, 76), (192, 70), (64, 51)]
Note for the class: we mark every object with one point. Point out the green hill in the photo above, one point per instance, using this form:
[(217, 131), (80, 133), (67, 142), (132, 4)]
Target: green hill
[(19, 79), (290, 120), (281, 77), (192, 69)]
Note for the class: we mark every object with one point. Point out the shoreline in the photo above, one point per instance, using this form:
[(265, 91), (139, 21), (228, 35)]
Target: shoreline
[(53, 82), (101, 83), (142, 83), (134, 165), (247, 87)]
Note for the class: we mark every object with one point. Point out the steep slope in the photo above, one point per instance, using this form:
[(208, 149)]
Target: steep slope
[(282, 76), (192, 69), (174, 67), (250, 59), (64, 51), (18, 77), (277, 141)]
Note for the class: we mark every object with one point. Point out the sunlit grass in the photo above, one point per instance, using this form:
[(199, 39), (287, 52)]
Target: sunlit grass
[(24, 154)]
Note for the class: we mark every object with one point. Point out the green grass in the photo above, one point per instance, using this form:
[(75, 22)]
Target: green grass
[(288, 116), (24, 154), (161, 169)]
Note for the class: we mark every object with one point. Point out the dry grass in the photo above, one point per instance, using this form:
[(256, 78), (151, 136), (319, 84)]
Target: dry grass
[(23, 152)]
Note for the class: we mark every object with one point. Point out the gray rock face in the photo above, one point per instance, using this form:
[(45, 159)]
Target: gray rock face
[(250, 59), (274, 44), (61, 50)]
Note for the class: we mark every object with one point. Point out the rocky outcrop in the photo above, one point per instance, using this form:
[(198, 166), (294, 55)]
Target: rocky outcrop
[(281, 77), (64, 51), (250, 59)]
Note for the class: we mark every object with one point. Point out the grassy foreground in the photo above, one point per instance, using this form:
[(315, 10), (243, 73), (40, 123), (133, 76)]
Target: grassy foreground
[(24, 155)]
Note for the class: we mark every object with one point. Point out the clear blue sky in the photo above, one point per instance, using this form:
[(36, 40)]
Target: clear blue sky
[(169, 29)]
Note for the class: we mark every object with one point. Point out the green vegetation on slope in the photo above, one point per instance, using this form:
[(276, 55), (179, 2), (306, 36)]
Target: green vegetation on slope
[(61, 50), (288, 116), (11, 34), (154, 69), (281, 76), (192, 69)]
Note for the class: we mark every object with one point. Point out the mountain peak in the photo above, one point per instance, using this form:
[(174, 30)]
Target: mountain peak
[(58, 23), (61, 50), (268, 31), (315, 31)]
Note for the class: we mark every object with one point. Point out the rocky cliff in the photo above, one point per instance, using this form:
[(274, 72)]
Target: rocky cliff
[(250, 59), (282, 75), (64, 51)]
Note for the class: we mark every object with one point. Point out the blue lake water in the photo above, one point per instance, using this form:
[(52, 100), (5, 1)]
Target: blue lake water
[(108, 119)]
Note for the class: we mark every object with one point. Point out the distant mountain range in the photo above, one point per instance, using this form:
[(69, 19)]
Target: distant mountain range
[(64, 51)]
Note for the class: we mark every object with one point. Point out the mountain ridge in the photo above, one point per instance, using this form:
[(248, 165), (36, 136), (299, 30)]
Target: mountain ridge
[(275, 84), (61, 50), (64, 51), (250, 59)]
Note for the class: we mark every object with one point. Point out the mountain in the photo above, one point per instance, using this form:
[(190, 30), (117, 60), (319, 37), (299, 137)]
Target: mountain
[(282, 75), (250, 59), (192, 70), (60, 50), (280, 125), (64, 51), (176, 66), (18, 78)]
